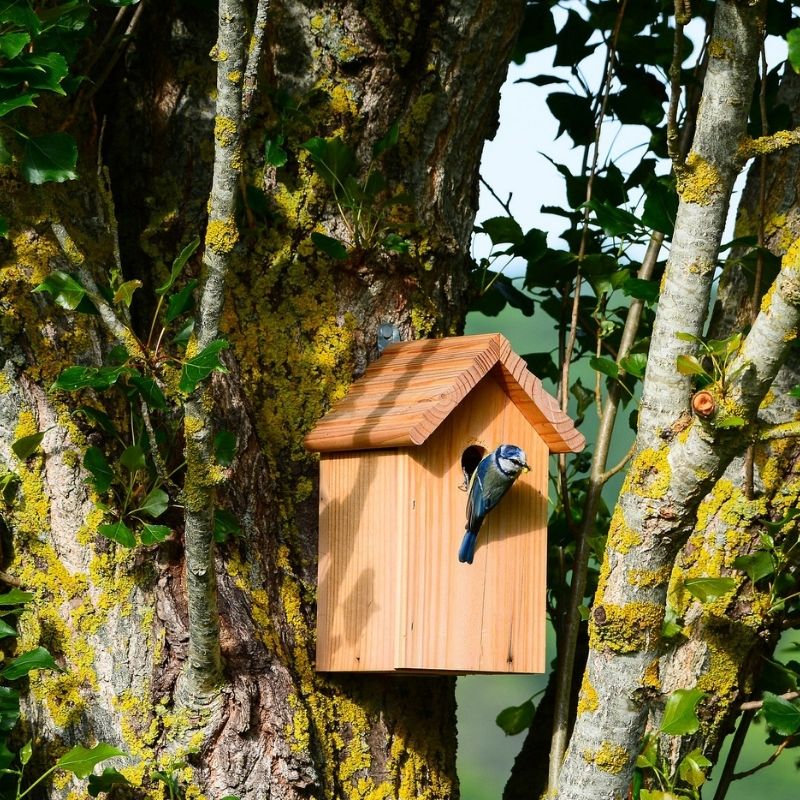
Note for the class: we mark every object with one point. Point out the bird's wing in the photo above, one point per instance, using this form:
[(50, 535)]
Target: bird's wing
[(475, 508)]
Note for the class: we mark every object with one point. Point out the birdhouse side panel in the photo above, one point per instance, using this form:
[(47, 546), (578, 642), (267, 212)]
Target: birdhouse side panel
[(488, 616), (360, 528)]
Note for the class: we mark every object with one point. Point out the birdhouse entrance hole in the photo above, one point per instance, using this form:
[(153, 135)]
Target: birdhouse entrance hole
[(470, 459)]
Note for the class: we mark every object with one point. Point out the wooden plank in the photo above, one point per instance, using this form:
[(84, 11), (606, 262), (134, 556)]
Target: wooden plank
[(488, 616), (361, 522)]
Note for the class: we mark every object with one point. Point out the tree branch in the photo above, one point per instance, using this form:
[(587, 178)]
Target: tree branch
[(204, 666), (666, 482), (764, 145)]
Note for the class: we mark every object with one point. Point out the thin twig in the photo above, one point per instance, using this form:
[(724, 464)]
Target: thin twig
[(506, 205), (735, 750), (754, 705), (115, 325), (787, 742), (161, 467), (255, 49), (619, 466), (673, 148), (755, 301)]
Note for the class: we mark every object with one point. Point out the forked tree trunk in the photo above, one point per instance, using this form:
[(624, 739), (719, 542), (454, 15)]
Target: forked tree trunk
[(300, 325)]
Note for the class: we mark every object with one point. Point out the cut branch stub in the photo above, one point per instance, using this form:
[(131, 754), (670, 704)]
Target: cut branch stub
[(703, 403)]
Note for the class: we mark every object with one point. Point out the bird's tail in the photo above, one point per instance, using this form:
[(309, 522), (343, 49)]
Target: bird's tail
[(467, 550)]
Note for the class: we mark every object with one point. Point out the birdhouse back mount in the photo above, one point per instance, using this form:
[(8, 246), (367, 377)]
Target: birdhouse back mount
[(392, 594)]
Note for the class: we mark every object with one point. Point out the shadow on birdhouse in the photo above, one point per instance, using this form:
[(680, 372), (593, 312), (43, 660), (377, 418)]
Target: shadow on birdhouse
[(396, 454)]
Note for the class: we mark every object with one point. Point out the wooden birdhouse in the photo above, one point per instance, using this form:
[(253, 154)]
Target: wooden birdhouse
[(392, 593)]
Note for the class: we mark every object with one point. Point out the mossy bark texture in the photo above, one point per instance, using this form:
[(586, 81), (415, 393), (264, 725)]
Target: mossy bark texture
[(300, 325), (679, 458)]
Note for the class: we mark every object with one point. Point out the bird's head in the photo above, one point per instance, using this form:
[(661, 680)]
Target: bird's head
[(512, 459)]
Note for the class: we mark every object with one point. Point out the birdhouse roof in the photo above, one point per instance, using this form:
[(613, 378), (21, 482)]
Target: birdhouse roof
[(406, 394)]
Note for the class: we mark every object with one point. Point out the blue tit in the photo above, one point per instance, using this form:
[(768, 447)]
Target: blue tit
[(493, 477)]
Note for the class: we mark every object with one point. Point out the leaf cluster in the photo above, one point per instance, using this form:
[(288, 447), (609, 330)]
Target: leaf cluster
[(133, 475)]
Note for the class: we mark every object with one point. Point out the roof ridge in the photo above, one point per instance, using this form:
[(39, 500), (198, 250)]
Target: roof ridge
[(364, 418)]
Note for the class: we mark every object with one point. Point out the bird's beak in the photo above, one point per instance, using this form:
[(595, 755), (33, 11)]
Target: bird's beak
[(526, 468)]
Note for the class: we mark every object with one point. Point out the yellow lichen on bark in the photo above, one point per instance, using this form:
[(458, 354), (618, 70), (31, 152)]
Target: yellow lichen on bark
[(609, 757), (699, 180), (625, 628)]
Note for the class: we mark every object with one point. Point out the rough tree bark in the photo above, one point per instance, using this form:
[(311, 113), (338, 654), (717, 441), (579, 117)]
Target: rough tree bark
[(680, 457), (299, 326)]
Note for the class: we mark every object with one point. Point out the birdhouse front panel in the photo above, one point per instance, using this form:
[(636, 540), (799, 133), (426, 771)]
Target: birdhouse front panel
[(488, 616)]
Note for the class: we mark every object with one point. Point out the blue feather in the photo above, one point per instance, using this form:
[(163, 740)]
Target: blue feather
[(493, 477), (467, 550)]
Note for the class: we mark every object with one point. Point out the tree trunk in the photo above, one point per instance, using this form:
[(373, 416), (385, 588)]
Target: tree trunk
[(300, 324)]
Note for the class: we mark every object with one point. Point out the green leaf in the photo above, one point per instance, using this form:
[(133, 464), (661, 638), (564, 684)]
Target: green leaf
[(689, 337), (9, 708), (781, 715), (178, 264), (692, 768), (6, 630), (24, 100), (95, 462), (583, 397), (515, 719), (634, 364), (689, 365), (660, 207), (274, 154), (224, 447), (202, 365), (671, 626), (184, 334), (574, 115), (604, 365), (679, 713), (125, 292), (106, 781), (149, 391), (50, 157), (793, 42), (708, 589), (13, 43), (74, 378), (387, 141), (395, 243), (66, 291), (132, 458), (155, 504), (118, 532), (80, 761), (25, 753), (225, 525), (730, 422), (181, 302), (330, 246), (100, 417), (153, 534), (614, 221), (502, 230), (26, 446), (641, 290), (38, 658), (15, 597), (334, 160)]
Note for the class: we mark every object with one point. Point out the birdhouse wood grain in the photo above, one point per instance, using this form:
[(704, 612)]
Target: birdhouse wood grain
[(392, 595)]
